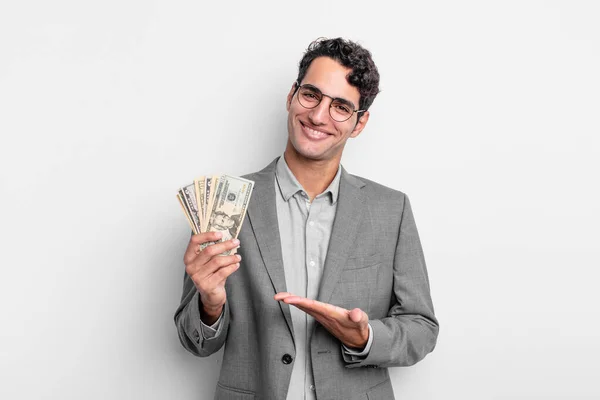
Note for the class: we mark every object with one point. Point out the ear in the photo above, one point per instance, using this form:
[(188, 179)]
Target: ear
[(288, 104), (360, 125)]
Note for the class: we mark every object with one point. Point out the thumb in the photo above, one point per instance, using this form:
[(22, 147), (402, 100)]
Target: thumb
[(357, 315)]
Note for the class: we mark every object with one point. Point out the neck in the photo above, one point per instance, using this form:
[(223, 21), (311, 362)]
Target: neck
[(314, 175)]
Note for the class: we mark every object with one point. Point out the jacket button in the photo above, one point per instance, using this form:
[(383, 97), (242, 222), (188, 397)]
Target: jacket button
[(286, 359)]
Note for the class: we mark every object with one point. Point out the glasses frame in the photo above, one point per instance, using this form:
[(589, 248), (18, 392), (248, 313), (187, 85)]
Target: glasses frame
[(298, 87)]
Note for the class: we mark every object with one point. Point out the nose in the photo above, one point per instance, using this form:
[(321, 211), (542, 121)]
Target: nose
[(320, 114)]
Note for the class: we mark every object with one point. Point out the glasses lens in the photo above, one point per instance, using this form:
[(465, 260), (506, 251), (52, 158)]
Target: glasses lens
[(340, 111), (309, 97)]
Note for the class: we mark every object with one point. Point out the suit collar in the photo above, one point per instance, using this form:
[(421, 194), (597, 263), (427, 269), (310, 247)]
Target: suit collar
[(289, 185)]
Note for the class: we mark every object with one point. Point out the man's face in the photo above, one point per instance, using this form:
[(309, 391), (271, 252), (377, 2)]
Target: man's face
[(222, 220), (313, 134)]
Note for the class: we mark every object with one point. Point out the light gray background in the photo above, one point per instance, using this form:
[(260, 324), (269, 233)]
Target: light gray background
[(488, 118)]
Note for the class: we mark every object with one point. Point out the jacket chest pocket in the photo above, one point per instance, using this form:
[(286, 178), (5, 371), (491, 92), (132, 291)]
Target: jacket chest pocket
[(362, 262), (358, 281)]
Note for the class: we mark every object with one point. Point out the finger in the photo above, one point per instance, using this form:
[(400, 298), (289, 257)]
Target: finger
[(199, 271), (193, 248), (223, 273), (319, 314), (206, 237), (290, 298), (219, 262), (282, 295), (319, 317), (216, 249), (208, 277), (318, 307), (326, 319), (358, 316), (298, 302)]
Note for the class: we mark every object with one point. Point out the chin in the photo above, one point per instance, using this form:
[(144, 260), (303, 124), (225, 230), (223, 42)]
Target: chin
[(311, 152), (306, 149)]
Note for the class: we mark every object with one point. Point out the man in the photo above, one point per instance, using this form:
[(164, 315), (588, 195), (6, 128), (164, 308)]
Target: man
[(329, 287)]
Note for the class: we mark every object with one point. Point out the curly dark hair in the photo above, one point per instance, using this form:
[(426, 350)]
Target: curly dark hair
[(364, 75)]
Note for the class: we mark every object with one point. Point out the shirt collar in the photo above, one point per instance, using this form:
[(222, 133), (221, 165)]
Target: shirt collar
[(289, 185)]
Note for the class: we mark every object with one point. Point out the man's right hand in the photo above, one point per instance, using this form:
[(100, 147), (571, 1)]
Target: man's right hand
[(209, 271)]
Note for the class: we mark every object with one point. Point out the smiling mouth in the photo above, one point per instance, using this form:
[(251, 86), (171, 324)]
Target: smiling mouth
[(313, 133)]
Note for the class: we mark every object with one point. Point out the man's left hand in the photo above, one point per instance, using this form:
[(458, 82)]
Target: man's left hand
[(351, 327)]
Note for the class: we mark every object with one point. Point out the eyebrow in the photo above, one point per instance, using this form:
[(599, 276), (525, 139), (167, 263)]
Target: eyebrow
[(340, 99)]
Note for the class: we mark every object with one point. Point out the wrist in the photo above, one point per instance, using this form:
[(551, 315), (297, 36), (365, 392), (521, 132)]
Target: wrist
[(209, 315), (360, 343)]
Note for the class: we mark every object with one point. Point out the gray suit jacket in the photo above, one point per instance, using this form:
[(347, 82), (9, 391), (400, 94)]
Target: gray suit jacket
[(374, 262)]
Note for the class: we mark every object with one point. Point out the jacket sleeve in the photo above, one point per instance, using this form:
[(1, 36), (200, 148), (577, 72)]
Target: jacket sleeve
[(189, 325), (410, 330)]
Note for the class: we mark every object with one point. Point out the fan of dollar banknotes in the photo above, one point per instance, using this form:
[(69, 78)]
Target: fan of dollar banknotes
[(216, 204)]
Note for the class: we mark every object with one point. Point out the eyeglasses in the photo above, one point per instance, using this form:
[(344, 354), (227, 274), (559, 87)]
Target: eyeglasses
[(340, 110)]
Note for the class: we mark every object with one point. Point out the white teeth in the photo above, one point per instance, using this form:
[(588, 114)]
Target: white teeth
[(315, 134)]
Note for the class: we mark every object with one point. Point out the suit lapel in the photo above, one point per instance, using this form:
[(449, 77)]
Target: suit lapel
[(262, 214), (344, 232)]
